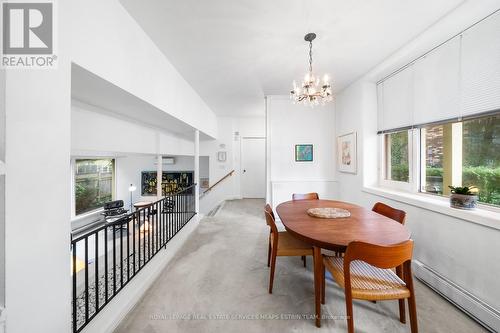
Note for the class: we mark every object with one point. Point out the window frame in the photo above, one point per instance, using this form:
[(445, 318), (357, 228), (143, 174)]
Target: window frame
[(417, 164), (75, 216), (413, 155)]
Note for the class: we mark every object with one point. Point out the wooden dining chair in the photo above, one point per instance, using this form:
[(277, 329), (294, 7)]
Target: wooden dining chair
[(392, 213), (269, 210), (305, 196), (365, 273), (281, 243), (388, 211)]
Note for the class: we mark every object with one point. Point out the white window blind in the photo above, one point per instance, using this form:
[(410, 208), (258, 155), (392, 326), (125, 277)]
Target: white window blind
[(437, 84), (397, 100), (459, 78), (380, 105), (481, 66)]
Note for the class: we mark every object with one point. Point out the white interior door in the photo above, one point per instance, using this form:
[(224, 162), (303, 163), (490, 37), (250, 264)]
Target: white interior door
[(253, 167)]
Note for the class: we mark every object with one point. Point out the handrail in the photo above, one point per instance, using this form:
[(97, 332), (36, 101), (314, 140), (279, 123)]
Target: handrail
[(106, 259), (219, 181)]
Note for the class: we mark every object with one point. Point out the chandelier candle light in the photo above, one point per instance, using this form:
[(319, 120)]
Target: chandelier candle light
[(311, 92)]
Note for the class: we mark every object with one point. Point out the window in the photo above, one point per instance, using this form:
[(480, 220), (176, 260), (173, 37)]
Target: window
[(397, 157), (448, 100), (94, 183), (462, 154)]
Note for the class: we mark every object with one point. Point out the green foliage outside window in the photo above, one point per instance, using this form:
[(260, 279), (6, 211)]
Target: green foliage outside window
[(93, 184), (480, 158), (399, 169), (487, 181)]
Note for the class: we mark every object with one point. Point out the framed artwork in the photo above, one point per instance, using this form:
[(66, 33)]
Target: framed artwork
[(221, 156), (347, 153), (172, 182), (303, 153), (204, 183)]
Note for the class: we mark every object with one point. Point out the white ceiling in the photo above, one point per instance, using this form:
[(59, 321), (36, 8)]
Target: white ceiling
[(234, 52)]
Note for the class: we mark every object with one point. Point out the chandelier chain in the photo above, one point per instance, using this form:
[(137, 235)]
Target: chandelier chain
[(310, 57)]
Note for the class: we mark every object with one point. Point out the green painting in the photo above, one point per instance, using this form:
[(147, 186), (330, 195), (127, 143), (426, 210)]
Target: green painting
[(303, 153)]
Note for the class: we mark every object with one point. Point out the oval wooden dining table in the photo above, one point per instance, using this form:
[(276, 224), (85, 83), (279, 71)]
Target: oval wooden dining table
[(334, 234)]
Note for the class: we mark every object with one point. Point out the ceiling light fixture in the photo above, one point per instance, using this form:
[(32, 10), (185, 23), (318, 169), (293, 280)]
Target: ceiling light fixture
[(311, 92)]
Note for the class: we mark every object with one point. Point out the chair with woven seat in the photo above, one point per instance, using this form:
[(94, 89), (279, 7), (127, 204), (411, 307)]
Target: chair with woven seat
[(365, 273), (392, 213), (305, 196), (281, 243)]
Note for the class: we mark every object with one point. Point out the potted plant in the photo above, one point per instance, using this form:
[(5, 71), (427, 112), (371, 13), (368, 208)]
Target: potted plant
[(463, 197)]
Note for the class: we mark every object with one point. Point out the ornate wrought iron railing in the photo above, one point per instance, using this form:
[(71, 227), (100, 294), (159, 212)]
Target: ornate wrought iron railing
[(106, 258)]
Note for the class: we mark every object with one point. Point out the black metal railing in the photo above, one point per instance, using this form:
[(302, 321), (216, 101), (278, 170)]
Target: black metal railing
[(106, 258)]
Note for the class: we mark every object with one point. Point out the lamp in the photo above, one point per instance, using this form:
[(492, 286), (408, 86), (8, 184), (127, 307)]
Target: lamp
[(131, 189)]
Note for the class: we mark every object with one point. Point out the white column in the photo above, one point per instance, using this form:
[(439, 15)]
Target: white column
[(2, 193), (159, 173), (197, 169), (37, 201), (268, 152)]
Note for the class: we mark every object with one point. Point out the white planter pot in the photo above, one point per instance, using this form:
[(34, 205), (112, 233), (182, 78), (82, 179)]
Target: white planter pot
[(463, 201)]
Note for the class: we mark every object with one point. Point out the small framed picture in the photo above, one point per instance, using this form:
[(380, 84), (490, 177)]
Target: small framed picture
[(347, 153), (204, 183), (303, 153), (221, 156)]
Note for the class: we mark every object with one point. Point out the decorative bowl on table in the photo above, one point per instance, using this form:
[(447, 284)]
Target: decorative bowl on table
[(328, 213)]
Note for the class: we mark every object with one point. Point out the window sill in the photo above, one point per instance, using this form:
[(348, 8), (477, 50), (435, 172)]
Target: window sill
[(85, 219), (486, 216)]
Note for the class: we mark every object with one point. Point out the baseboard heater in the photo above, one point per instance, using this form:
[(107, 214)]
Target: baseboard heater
[(478, 310)]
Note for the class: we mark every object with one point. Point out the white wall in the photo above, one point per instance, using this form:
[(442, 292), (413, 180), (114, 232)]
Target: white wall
[(37, 202), (288, 125), (356, 111), (230, 143), (94, 131), (461, 254), (108, 42), (2, 188), (2, 114)]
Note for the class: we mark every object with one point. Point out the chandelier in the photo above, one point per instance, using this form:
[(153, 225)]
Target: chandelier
[(311, 91)]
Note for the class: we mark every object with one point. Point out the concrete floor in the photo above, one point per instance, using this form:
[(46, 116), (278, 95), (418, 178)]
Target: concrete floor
[(218, 283)]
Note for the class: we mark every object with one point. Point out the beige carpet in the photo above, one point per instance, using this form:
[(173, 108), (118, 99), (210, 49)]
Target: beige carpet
[(218, 283)]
